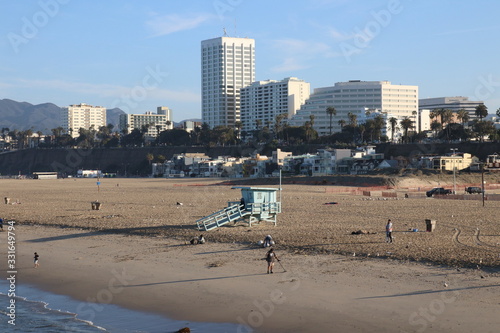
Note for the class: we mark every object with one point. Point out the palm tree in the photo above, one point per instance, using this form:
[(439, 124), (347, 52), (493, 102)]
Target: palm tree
[(331, 112), (481, 111), (446, 118), (463, 116), (435, 126), (150, 157), (58, 131), (406, 124), (434, 114), (394, 123), (341, 124), (278, 126), (258, 122), (311, 119), (353, 119), (378, 123), (362, 130)]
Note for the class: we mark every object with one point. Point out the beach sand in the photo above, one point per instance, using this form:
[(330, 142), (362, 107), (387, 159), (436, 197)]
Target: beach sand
[(133, 253)]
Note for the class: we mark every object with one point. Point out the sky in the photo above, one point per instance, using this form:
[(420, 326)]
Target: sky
[(137, 55)]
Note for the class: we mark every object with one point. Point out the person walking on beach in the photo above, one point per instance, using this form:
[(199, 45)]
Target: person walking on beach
[(388, 231), (36, 260), (270, 258), (1, 224)]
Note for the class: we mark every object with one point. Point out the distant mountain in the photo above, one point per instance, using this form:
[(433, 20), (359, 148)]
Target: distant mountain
[(42, 117)]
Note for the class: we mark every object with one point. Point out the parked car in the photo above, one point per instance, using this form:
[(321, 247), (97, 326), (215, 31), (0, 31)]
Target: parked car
[(474, 189), (437, 190)]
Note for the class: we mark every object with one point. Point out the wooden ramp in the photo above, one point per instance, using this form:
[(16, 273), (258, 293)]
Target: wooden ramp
[(224, 216)]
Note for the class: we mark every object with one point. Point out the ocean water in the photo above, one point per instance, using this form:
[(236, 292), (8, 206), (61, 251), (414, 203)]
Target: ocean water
[(43, 312)]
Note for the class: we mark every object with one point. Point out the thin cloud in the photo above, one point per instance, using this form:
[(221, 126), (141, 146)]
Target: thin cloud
[(338, 35), (299, 54), (304, 47), (289, 64), (328, 3), (107, 90), (463, 31), (161, 25)]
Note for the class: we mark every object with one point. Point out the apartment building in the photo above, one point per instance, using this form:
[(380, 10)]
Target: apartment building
[(227, 65), (155, 122), (354, 97), (262, 101), (82, 115)]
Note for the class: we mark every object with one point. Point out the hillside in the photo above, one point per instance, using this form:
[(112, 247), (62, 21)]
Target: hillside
[(41, 117)]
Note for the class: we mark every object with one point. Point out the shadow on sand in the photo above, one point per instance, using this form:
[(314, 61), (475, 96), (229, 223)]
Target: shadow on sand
[(124, 231), (193, 280), (424, 292)]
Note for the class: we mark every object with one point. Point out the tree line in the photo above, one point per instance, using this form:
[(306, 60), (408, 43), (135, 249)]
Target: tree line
[(446, 125)]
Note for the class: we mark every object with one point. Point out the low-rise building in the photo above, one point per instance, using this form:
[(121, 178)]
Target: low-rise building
[(458, 161), (454, 104)]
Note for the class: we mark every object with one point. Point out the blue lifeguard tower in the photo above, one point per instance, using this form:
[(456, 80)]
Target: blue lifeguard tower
[(257, 203)]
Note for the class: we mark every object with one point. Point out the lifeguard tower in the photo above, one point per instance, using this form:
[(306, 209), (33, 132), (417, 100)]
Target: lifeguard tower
[(257, 203)]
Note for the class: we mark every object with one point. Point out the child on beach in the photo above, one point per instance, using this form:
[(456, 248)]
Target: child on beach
[(270, 258), (36, 260)]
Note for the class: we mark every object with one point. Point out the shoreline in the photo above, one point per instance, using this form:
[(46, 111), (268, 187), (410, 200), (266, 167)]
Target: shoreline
[(110, 318), (217, 282)]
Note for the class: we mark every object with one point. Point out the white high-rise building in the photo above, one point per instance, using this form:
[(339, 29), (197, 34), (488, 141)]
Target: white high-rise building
[(262, 101), (227, 65), (156, 122), (354, 97), (84, 116)]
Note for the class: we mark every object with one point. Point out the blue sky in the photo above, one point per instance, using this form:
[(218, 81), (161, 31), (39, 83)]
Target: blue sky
[(137, 55)]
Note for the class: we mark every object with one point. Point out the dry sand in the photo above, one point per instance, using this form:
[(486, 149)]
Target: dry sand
[(335, 281)]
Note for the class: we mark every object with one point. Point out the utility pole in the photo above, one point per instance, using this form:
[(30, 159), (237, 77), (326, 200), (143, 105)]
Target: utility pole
[(454, 178), (482, 181)]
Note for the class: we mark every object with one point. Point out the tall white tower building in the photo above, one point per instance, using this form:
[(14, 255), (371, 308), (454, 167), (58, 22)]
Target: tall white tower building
[(83, 116), (227, 65)]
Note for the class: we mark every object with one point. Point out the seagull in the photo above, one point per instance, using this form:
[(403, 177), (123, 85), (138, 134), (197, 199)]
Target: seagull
[(445, 284)]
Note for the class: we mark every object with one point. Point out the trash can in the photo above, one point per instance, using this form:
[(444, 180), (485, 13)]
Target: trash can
[(431, 225), (96, 205)]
